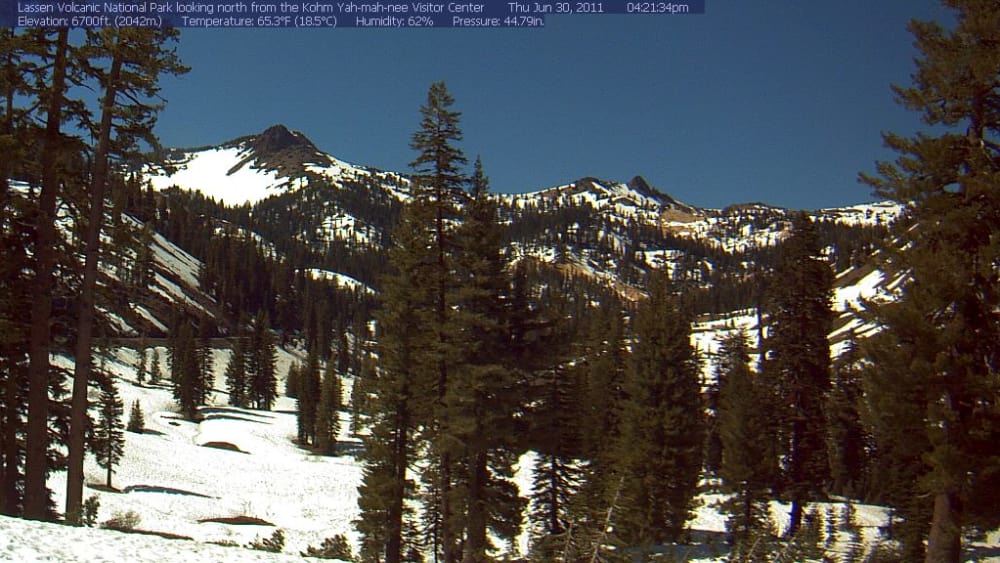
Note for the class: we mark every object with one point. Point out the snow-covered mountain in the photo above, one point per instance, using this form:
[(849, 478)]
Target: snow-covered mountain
[(608, 231), (592, 223), (252, 168), (278, 161)]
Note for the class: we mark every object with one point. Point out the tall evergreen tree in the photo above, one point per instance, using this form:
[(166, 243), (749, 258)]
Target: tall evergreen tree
[(328, 411), (660, 447), (142, 270), (391, 399), (206, 359), (309, 396), (438, 183), (155, 371), (141, 362), (237, 381), (599, 426), (848, 442), (129, 103), (948, 315), (797, 368), (292, 380), (262, 357), (557, 474), (185, 369), (16, 71), (56, 50), (894, 386), (109, 437), (482, 403), (749, 461)]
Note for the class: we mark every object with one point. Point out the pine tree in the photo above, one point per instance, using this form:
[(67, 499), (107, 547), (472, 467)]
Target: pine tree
[(143, 360), (390, 445), (359, 394), (894, 388), (142, 270), (237, 383), (292, 381), (660, 447), (129, 104), (438, 182), (544, 351), (185, 370), (481, 404), (261, 365), (109, 440), (155, 371), (54, 47), (206, 361), (15, 70), (328, 411), (557, 475), (600, 404), (136, 420), (797, 368), (309, 395), (947, 317), (848, 442), (749, 455)]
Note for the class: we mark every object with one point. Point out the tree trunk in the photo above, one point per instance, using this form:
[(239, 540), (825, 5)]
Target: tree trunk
[(475, 541), (449, 535), (944, 544), (794, 518), (85, 324), (744, 533), (37, 438), (8, 129), (109, 466), (394, 535), (9, 497)]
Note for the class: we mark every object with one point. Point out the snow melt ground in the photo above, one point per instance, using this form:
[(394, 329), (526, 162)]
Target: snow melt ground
[(175, 480), (214, 173), (30, 542)]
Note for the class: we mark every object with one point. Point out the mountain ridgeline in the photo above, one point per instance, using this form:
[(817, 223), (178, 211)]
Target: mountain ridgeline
[(317, 213)]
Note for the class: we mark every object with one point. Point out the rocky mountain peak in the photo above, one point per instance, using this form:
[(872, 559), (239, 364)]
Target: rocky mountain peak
[(277, 139)]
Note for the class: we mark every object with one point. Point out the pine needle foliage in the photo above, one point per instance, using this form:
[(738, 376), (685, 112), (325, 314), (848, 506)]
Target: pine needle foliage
[(660, 448), (797, 366), (136, 420), (108, 442), (942, 338)]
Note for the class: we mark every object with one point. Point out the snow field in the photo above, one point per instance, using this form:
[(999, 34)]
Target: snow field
[(209, 172), (23, 541), (172, 480)]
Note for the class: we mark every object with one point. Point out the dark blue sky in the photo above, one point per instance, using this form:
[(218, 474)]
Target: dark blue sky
[(780, 101)]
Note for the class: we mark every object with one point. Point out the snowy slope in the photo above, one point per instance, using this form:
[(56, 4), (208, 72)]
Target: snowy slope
[(175, 479), (31, 542), (211, 172), (278, 161), (254, 168), (341, 280), (174, 274)]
